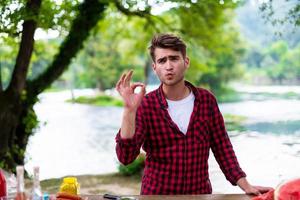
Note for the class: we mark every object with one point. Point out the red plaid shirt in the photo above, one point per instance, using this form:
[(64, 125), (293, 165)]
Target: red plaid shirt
[(177, 163)]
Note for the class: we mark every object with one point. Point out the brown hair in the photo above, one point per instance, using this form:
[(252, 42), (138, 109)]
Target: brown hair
[(167, 41)]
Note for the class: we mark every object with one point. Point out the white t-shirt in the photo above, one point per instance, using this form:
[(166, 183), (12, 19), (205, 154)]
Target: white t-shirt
[(181, 111)]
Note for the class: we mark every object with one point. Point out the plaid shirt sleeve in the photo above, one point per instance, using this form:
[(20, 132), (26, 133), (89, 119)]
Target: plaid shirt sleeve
[(222, 147), (128, 149)]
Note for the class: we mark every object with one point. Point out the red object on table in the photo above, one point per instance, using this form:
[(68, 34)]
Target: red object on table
[(266, 196), (2, 184), (288, 190), (66, 196)]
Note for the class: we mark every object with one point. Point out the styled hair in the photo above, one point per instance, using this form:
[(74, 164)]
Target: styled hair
[(167, 41)]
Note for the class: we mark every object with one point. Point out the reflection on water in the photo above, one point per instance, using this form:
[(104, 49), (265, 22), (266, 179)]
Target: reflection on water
[(79, 139), (280, 127), (264, 111)]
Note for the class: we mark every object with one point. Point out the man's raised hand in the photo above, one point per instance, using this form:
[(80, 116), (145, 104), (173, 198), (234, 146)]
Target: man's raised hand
[(126, 90)]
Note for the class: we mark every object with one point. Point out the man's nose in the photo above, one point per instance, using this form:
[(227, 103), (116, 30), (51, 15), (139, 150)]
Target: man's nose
[(169, 65)]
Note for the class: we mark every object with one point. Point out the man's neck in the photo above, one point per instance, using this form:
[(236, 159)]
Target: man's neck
[(176, 92)]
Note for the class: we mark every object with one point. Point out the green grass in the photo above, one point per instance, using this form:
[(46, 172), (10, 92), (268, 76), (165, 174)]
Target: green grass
[(53, 89), (287, 95), (234, 122), (99, 100), (227, 95)]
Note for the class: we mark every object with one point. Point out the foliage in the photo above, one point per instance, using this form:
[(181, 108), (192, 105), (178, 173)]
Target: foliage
[(234, 122), (42, 56), (101, 64), (277, 62), (100, 100), (134, 168), (7, 49), (223, 65), (56, 16), (118, 43), (106, 56), (30, 122), (19, 20), (214, 50), (286, 12), (227, 94)]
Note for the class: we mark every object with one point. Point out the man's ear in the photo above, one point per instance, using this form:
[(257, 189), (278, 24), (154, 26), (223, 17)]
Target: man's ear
[(153, 66), (187, 62)]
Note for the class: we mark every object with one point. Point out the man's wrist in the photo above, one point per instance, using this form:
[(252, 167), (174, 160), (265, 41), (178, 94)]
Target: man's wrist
[(128, 124), (129, 111), (243, 184)]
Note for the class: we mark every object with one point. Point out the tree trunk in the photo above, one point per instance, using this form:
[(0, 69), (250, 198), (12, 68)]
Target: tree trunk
[(11, 99), (1, 86), (17, 117), (17, 120), (90, 12), (8, 124)]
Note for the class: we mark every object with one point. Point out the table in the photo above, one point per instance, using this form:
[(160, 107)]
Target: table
[(181, 197)]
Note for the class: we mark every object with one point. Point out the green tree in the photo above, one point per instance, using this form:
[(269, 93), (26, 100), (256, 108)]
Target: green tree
[(29, 76), (277, 50), (215, 46), (279, 63), (291, 64), (214, 49), (17, 118), (284, 63), (118, 48), (279, 13)]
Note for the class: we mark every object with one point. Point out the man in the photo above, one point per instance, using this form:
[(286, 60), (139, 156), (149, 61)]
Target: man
[(176, 125)]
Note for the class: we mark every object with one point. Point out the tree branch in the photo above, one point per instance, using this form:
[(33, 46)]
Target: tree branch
[(127, 12), (143, 14), (18, 79), (10, 32), (90, 11), (146, 15), (1, 86)]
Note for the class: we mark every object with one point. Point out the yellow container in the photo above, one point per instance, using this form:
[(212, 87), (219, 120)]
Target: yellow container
[(70, 186)]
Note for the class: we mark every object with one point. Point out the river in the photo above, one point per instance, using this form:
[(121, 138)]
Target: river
[(75, 139)]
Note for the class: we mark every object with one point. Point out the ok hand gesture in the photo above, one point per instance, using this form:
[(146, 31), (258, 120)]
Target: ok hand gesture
[(126, 90)]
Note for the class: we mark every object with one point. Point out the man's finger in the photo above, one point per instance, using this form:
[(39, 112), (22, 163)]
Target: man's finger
[(264, 189), (257, 193), (254, 192), (121, 81), (143, 90), (135, 85), (128, 78)]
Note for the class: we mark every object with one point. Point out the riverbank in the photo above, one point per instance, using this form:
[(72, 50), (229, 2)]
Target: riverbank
[(80, 139), (112, 183)]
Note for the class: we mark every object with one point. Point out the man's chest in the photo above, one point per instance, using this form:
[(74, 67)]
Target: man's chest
[(163, 133)]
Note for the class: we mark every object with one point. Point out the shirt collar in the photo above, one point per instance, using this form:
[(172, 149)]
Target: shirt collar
[(162, 99)]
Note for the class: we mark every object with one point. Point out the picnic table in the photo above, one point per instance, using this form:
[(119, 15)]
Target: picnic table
[(182, 197)]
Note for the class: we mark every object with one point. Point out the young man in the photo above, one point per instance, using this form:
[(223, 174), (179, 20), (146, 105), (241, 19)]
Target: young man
[(176, 125)]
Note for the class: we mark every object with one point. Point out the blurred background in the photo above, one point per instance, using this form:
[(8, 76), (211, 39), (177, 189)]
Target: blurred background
[(60, 61)]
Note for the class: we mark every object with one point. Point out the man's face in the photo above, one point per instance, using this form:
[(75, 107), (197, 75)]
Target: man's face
[(170, 66)]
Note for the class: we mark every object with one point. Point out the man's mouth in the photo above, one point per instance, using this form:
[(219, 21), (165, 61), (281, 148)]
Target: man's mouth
[(169, 75)]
